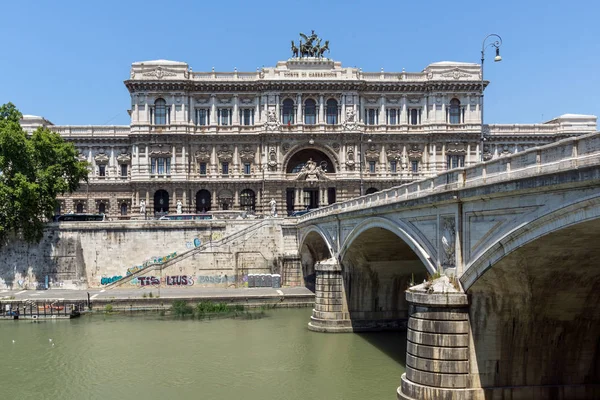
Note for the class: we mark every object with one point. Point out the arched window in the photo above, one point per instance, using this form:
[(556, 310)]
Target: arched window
[(310, 112), (287, 112), (101, 208), (160, 112), (247, 200), (454, 111), (79, 208), (372, 190), (332, 112), (124, 209), (161, 201)]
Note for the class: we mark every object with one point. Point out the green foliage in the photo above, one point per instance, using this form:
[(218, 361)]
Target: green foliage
[(108, 308), (150, 295), (181, 308), (431, 278), (34, 170), (208, 307)]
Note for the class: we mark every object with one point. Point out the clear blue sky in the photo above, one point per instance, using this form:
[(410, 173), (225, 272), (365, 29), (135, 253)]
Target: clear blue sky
[(67, 60)]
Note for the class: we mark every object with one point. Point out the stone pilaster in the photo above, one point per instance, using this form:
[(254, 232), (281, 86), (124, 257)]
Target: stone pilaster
[(437, 352), (330, 313)]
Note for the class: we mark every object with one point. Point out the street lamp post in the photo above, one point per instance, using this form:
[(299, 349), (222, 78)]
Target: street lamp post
[(495, 42)]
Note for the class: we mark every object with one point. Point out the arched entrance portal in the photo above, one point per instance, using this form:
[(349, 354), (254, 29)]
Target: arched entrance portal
[(313, 168), (203, 200), (225, 199), (161, 201)]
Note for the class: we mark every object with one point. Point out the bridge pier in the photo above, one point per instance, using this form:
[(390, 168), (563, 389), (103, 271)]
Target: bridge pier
[(330, 313), (437, 352)]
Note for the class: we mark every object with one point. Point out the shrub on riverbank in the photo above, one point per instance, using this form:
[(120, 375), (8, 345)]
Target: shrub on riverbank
[(208, 309), (181, 308)]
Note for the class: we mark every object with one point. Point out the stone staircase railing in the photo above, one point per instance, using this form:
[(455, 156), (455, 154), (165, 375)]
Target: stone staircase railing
[(216, 244)]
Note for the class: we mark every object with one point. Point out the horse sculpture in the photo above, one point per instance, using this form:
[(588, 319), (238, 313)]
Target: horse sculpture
[(294, 50), (324, 48)]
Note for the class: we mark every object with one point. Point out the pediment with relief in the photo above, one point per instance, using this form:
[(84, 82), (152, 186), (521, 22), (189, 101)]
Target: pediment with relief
[(415, 152), (372, 154), (101, 158), (124, 158), (225, 153), (247, 154), (456, 148), (393, 152), (202, 154)]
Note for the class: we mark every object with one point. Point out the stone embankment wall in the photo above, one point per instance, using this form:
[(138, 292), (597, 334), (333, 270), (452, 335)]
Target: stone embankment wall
[(94, 254)]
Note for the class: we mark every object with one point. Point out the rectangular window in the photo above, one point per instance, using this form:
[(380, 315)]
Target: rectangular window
[(393, 167), (153, 166), (161, 166), (331, 195), (124, 170), (372, 116), (224, 116), (248, 116), (202, 168), (101, 170), (393, 117), (168, 165), (372, 167), (414, 166), (414, 116), (225, 168), (247, 168), (456, 162), (202, 117)]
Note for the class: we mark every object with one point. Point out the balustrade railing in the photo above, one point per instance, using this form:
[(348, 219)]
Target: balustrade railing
[(577, 152)]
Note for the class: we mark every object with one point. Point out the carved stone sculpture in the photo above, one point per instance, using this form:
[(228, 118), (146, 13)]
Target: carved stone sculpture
[(179, 206), (143, 207)]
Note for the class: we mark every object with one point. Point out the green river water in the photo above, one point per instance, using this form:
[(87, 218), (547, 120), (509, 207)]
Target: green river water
[(147, 357)]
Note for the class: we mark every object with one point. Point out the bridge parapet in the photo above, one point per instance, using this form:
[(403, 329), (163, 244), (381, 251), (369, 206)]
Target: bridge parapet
[(576, 152)]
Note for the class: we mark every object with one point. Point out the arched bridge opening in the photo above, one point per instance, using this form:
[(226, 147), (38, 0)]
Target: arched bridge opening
[(535, 318), (377, 267), (313, 249)]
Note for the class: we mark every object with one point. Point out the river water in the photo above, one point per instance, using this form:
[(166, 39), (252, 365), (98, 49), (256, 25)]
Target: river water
[(146, 357)]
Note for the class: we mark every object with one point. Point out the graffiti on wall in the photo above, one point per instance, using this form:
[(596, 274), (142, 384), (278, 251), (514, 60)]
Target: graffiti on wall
[(106, 281), (174, 280), (195, 243), (148, 280), (151, 261), (216, 279), (179, 280)]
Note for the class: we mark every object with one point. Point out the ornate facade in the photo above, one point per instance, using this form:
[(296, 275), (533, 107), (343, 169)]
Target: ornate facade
[(307, 133)]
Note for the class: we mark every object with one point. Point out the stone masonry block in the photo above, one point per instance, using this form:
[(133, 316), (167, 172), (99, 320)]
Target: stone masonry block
[(446, 367), (452, 327), (441, 340), (436, 379), (438, 353)]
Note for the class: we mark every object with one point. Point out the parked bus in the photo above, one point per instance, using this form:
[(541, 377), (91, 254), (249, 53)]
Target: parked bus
[(185, 217), (78, 217)]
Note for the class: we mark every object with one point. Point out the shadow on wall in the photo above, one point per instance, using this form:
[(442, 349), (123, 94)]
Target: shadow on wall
[(50, 263), (377, 269), (535, 315)]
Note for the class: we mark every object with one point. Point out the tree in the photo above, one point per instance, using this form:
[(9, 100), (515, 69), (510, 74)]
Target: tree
[(34, 170)]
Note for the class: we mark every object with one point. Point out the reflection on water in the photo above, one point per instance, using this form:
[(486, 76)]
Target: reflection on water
[(149, 357)]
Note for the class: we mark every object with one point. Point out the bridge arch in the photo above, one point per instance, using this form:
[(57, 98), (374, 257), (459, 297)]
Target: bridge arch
[(315, 245), (533, 300), (379, 261), (400, 229)]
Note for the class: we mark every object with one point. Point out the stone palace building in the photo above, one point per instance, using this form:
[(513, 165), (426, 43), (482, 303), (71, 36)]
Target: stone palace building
[(306, 133)]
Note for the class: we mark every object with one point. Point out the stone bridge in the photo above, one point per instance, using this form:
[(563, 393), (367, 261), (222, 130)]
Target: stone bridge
[(515, 313)]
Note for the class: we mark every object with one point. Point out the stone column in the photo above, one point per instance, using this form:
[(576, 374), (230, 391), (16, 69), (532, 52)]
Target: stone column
[(299, 109), (257, 110), (330, 312), (382, 116), (321, 110), (343, 116), (213, 110), (236, 110), (277, 112), (437, 352)]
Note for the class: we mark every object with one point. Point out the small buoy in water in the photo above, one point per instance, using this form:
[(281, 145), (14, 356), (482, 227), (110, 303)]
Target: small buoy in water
[(50, 340), (13, 341), (52, 344)]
